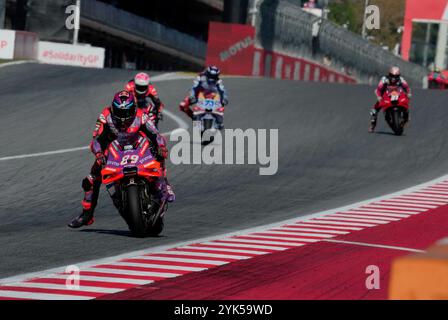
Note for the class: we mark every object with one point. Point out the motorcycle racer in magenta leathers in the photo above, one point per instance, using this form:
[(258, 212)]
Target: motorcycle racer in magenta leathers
[(395, 79), (146, 96), (208, 80), (124, 122)]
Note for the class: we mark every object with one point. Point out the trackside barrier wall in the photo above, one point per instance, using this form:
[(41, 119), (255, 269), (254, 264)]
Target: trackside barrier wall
[(7, 38), (282, 26), (18, 45), (71, 55), (232, 47), (26, 45), (142, 27), (422, 276), (280, 66)]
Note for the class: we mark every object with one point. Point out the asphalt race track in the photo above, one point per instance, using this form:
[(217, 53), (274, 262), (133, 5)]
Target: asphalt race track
[(327, 159)]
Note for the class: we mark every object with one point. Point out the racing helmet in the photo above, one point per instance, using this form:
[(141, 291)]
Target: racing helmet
[(394, 75), (123, 110), (142, 81), (212, 74)]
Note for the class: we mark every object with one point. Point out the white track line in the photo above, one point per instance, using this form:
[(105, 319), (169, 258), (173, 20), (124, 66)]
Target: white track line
[(374, 245), (182, 124), (14, 63)]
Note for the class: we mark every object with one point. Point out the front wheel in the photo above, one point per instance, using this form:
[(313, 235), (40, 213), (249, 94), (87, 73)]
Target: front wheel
[(396, 121), (207, 125), (136, 222)]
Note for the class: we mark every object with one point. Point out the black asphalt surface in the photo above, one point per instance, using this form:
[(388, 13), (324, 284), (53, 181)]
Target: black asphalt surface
[(327, 159)]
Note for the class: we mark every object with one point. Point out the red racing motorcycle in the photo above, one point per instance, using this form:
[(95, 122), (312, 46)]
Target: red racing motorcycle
[(131, 176), (395, 105)]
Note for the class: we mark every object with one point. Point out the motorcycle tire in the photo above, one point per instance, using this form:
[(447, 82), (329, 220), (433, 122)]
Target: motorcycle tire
[(136, 222)]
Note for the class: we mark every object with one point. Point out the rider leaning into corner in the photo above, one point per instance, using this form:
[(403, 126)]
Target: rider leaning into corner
[(124, 122), (395, 79), (208, 80), (146, 95)]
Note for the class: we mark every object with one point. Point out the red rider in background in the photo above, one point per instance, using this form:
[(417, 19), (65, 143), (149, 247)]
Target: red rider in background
[(437, 79), (394, 79), (207, 80), (146, 95), (124, 122), (311, 4)]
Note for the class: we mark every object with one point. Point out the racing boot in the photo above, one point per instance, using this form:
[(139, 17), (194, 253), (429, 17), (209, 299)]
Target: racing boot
[(373, 120), (372, 126), (171, 196), (85, 219), (406, 119), (91, 187)]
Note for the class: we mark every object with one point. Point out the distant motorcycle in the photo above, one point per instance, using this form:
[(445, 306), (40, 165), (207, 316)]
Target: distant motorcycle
[(395, 105), (437, 81), (130, 176), (207, 108)]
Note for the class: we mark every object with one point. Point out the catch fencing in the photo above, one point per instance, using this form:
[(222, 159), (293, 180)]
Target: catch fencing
[(282, 26)]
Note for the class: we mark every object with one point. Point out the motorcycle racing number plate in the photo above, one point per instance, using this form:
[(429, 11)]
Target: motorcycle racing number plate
[(395, 96), (208, 103)]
